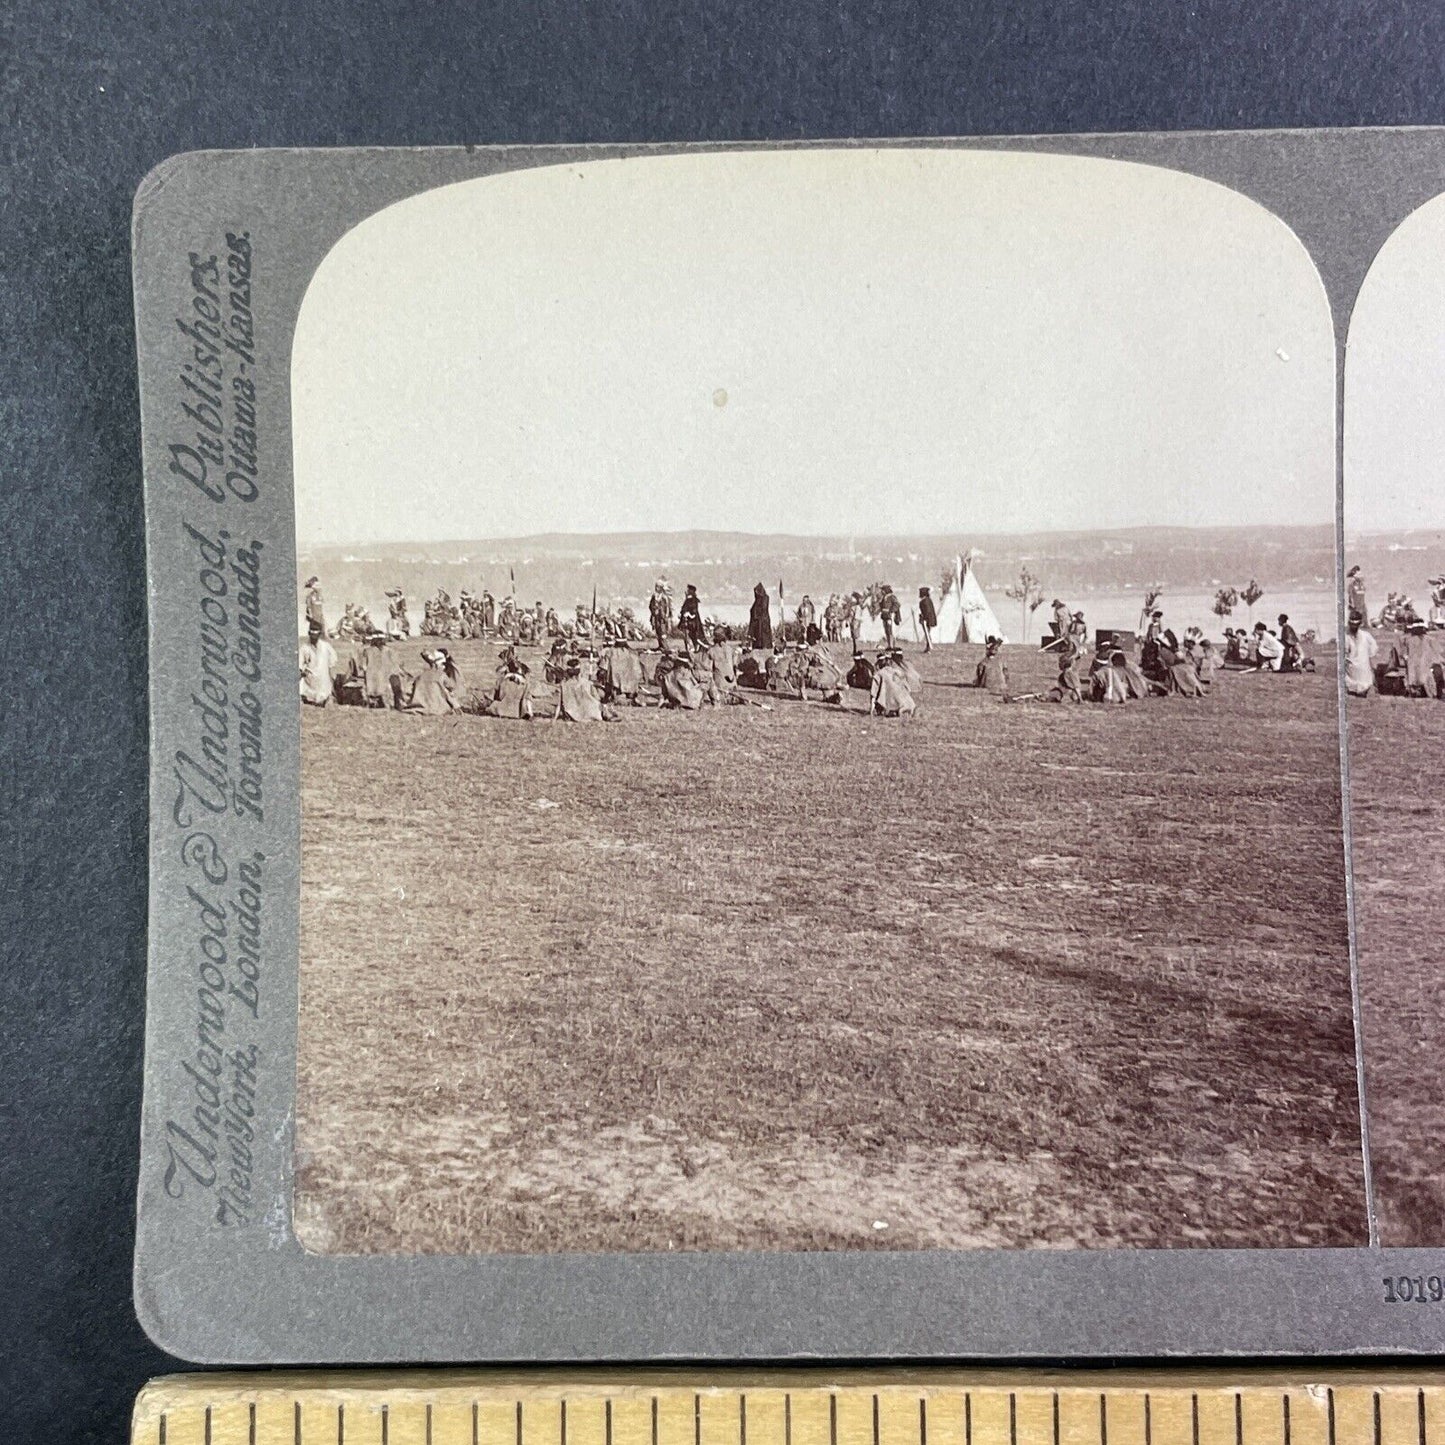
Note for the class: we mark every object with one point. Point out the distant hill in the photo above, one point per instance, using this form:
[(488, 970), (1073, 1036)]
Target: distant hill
[(1397, 562), (563, 568)]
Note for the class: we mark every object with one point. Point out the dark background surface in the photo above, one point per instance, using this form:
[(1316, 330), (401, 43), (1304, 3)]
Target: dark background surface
[(91, 96)]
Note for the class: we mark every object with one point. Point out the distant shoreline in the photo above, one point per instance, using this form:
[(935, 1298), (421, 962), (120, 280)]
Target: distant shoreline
[(847, 543)]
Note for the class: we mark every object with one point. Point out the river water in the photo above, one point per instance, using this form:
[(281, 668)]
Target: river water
[(1308, 609)]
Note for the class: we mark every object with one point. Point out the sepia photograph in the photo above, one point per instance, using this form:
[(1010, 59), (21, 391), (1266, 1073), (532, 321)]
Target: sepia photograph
[(820, 715), (1394, 509)]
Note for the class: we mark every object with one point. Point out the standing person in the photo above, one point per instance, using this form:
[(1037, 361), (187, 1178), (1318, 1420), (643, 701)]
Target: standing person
[(1419, 661), (760, 621), (807, 614), (1150, 659), (1360, 650), (1078, 633), (1355, 594), (1207, 663), (891, 615), (1060, 618), (315, 608), (833, 618), (659, 610), (489, 612), (1289, 640), (398, 624), (927, 617), (854, 610), (318, 666), (689, 617)]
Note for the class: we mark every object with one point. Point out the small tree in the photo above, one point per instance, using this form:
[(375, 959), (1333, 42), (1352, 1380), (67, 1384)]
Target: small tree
[(1225, 601), (1029, 594), (1249, 596)]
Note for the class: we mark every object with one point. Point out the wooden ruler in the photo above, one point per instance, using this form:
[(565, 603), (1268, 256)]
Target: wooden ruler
[(806, 1407)]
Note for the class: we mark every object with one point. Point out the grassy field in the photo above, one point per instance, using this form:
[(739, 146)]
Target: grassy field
[(1397, 808), (1001, 975)]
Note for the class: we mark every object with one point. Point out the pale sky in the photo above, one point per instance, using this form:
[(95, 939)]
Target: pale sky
[(815, 342), (1395, 383)]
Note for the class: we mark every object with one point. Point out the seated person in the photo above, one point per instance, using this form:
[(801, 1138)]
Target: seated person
[(992, 672), (431, 693), (577, 699), (1268, 649), (677, 681), (891, 694), (1068, 688)]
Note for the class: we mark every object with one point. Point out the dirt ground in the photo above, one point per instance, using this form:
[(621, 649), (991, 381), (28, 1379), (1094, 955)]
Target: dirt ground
[(1397, 809), (996, 976)]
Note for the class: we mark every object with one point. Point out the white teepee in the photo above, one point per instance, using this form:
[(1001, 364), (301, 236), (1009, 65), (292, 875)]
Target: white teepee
[(963, 612)]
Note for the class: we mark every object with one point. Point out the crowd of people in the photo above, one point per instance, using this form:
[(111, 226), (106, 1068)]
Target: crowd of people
[(1166, 666), (1412, 662), (582, 683), (599, 660), (843, 617)]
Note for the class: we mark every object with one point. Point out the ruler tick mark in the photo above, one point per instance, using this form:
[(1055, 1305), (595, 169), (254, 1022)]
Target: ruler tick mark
[(654, 1420), (788, 1418), (832, 1420), (161, 1428), (875, 1420), (562, 1421), (1103, 1418), (696, 1421), (1419, 1415), (476, 1422), (607, 1421), (742, 1418), (428, 1422), (208, 1426), (296, 1422), (1194, 1419), (1013, 1419), (251, 1424), (1286, 1418), (340, 1423), (385, 1425), (1056, 1417), (519, 1422), (967, 1417), (1377, 1417), (1148, 1421), (922, 1421), (1330, 1403), (1238, 1418)]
